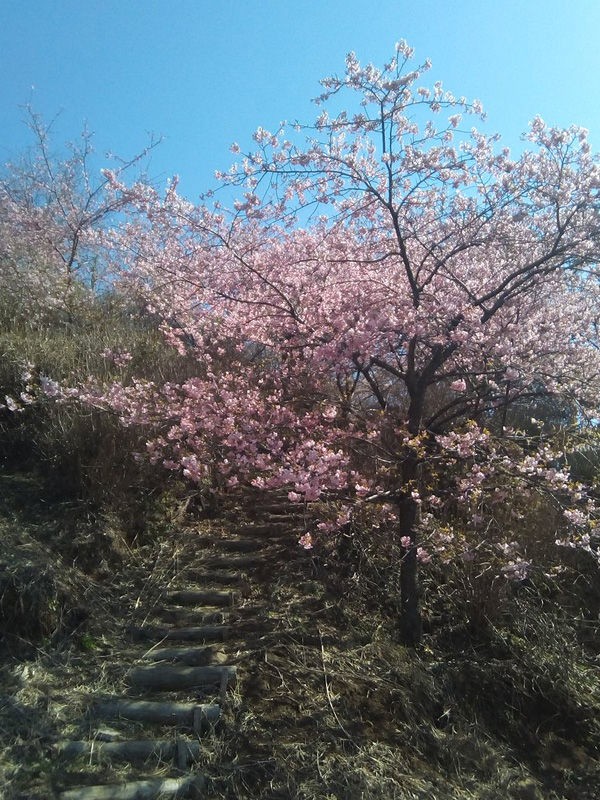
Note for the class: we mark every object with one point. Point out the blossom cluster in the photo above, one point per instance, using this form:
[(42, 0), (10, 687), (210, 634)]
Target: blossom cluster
[(387, 289)]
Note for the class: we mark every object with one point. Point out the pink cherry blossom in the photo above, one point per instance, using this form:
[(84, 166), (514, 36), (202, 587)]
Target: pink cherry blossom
[(388, 288), (306, 541)]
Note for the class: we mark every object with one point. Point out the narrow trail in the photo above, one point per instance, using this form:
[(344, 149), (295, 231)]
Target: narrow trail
[(190, 658)]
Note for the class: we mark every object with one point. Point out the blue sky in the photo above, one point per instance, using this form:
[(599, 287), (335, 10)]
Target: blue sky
[(205, 73)]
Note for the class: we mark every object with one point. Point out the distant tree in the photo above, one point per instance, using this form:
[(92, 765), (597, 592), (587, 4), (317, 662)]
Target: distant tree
[(386, 290), (55, 214)]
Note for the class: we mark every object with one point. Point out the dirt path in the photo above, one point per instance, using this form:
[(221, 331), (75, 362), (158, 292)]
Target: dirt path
[(191, 660)]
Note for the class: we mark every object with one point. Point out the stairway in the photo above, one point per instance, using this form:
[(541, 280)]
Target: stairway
[(187, 658)]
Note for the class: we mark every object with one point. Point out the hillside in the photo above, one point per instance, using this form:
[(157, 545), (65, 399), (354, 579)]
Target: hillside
[(501, 699)]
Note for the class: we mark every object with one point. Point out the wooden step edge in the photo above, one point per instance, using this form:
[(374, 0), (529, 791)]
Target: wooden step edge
[(262, 526), (255, 545), (207, 577), (163, 622), (227, 562), (175, 677), (187, 787), (198, 717), (185, 752), (283, 514), (188, 617), (191, 656), (198, 597), (204, 633)]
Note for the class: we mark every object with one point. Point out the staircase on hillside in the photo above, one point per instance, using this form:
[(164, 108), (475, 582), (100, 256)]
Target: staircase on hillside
[(187, 657)]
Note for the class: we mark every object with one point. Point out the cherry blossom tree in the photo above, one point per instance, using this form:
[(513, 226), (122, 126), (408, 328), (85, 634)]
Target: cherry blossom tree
[(391, 292), (56, 210)]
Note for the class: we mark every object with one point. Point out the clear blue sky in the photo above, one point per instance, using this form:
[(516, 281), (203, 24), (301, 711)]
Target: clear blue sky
[(205, 73)]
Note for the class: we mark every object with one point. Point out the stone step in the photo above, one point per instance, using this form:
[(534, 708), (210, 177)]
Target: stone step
[(197, 597), (175, 677), (192, 716), (203, 633), (183, 751), (188, 787)]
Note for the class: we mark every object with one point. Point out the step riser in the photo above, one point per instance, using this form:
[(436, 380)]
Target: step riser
[(191, 657), (189, 617), (141, 790), (208, 582), (194, 598), (174, 678), (243, 545), (217, 633), (264, 529), (185, 753), (223, 578), (198, 718), (234, 562)]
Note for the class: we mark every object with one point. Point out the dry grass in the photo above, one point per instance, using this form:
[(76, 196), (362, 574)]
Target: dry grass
[(336, 708), (69, 586), (329, 706)]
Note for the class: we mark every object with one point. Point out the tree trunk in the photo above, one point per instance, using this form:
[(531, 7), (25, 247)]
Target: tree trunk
[(408, 508), (410, 611)]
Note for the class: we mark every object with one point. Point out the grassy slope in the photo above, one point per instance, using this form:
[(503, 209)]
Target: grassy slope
[(500, 705)]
